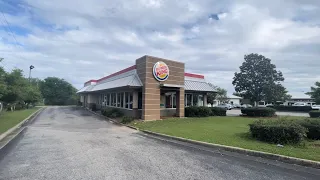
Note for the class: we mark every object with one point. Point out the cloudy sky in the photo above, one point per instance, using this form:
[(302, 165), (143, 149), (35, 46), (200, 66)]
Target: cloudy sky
[(80, 40)]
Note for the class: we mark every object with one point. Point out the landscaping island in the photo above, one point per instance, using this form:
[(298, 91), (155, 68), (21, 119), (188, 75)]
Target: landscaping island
[(230, 131)]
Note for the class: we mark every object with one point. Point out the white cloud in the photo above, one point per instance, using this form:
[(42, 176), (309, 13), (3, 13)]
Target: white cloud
[(82, 40)]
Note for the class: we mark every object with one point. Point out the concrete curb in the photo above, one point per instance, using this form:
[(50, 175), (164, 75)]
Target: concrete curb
[(286, 159), (5, 134), (281, 158), (15, 132)]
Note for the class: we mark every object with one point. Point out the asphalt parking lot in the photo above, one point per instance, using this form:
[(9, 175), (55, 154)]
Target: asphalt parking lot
[(237, 112), (71, 143)]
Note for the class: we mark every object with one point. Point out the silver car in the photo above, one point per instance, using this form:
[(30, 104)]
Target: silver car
[(316, 107), (245, 106), (225, 106)]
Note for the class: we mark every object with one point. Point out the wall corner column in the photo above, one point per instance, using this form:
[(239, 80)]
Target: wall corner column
[(180, 103)]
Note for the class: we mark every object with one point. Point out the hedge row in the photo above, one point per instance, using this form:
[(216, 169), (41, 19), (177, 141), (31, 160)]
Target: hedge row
[(201, 111), (127, 119), (314, 113), (259, 112), (112, 112), (293, 108), (313, 127), (216, 111), (285, 131), (278, 131)]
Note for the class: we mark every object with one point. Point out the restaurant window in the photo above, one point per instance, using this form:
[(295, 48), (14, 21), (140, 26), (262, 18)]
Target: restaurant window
[(107, 96), (195, 100), (171, 101), (168, 100), (119, 99), (113, 99), (127, 99), (140, 100), (200, 102), (130, 100), (188, 100)]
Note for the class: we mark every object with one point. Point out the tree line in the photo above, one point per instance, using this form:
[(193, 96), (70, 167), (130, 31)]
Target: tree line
[(18, 92), (258, 80)]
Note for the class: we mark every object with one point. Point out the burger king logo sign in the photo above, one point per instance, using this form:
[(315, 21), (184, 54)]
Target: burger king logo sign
[(161, 71)]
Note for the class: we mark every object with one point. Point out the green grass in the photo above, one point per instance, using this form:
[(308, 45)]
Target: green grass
[(9, 119), (231, 131)]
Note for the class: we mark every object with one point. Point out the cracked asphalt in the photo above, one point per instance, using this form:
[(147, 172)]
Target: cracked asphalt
[(71, 143)]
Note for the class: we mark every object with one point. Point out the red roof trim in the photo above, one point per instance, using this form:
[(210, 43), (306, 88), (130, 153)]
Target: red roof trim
[(114, 74), (92, 80), (134, 67), (194, 75)]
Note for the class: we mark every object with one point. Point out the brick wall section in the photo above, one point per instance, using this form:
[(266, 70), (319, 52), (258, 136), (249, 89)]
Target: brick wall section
[(151, 87)]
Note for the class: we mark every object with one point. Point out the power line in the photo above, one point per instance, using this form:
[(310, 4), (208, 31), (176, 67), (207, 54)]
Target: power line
[(7, 29), (5, 19)]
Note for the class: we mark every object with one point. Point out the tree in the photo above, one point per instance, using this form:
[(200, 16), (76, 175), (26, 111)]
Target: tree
[(32, 95), (16, 85), (276, 92), (57, 91), (315, 92), (15, 89), (220, 94), (259, 80), (3, 85)]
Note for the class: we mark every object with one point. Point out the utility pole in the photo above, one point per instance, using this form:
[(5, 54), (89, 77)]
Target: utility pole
[(31, 67)]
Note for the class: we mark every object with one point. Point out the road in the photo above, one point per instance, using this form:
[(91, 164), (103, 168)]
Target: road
[(237, 112), (71, 143)]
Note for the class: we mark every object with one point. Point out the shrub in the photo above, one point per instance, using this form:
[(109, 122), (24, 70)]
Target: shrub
[(293, 108), (93, 107), (259, 112), (278, 131), (314, 113), (313, 127), (20, 106), (216, 111), (127, 119), (195, 111), (112, 112)]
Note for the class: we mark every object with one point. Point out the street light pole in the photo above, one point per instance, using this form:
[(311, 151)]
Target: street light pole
[(31, 67)]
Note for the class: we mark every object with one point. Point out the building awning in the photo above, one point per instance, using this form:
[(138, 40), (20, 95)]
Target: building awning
[(130, 80), (86, 89), (190, 85)]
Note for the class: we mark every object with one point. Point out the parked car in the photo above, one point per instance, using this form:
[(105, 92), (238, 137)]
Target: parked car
[(316, 107), (245, 106), (236, 105), (270, 105), (300, 104), (225, 106)]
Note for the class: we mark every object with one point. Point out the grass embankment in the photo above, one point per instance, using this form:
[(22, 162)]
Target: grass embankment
[(9, 119), (231, 131)]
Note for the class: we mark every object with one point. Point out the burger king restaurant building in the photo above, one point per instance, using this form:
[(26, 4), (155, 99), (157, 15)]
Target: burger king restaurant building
[(150, 89)]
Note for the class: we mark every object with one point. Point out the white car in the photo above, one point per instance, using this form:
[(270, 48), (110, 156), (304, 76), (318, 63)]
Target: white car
[(316, 107), (300, 104), (225, 106)]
